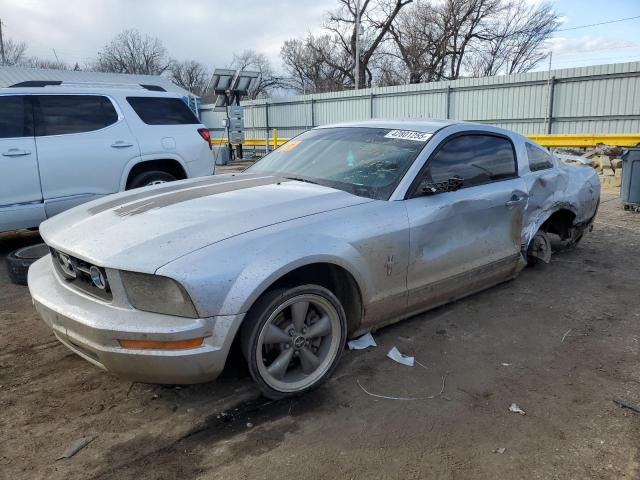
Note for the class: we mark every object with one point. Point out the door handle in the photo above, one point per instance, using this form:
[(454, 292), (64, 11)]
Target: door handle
[(16, 152), (515, 200), (121, 144)]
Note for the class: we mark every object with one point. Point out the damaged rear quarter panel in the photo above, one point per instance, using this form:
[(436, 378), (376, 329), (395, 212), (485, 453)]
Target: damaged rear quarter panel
[(564, 187)]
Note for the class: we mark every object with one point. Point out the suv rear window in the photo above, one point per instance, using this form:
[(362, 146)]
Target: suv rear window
[(15, 117), (162, 111), (62, 114)]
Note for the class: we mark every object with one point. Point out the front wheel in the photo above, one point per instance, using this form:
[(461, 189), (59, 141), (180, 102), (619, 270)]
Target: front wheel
[(293, 338)]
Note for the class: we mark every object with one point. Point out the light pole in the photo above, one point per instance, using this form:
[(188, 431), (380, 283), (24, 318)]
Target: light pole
[(2, 45), (357, 72)]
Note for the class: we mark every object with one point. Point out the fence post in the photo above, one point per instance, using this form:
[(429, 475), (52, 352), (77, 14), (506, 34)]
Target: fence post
[(313, 113), (371, 103), (266, 127), (275, 138), (447, 107), (552, 84)]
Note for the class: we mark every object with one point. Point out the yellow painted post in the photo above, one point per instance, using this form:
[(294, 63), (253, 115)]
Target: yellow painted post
[(275, 138)]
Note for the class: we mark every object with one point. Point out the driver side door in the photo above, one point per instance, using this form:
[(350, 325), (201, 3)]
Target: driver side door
[(468, 239)]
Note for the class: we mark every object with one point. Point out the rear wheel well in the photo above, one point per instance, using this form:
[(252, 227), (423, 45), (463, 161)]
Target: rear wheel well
[(560, 223), (334, 278), (171, 167)]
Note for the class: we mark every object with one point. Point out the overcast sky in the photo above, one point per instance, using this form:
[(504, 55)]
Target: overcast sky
[(211, 30)]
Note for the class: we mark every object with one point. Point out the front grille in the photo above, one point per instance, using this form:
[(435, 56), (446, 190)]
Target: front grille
[(82, 275)]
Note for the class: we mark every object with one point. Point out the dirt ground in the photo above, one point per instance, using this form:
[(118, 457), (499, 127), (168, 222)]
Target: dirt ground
[(561, 341)]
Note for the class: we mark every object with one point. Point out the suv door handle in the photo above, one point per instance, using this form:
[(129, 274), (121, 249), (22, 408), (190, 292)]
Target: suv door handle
[(121, 144), (515, 200), (15, 152)]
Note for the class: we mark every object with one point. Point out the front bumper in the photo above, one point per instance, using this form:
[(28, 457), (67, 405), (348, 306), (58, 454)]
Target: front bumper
[(91, 328)]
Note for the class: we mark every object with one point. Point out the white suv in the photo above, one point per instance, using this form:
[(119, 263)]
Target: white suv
[(62, 145)]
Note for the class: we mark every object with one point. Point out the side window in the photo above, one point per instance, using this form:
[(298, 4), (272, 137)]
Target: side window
[(538, 159), (162, 111), (61, 114), (475, 158), (16, 118)]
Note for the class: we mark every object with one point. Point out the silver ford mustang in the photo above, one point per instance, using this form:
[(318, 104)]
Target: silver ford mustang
[(343, 229)]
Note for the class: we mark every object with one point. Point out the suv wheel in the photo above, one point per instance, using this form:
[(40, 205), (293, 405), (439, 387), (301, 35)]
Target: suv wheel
[(152, 177), (19, 261), (293, 338)]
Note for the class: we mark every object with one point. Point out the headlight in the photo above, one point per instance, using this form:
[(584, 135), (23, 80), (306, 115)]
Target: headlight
[(158, 294)]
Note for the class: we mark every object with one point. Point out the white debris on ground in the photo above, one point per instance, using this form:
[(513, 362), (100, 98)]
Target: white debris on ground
[(516, 409), (362, 342), (77, 445), (395, 355)]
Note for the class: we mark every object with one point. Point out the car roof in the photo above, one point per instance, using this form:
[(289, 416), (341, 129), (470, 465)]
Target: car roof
[(89, 89), (426, 125)]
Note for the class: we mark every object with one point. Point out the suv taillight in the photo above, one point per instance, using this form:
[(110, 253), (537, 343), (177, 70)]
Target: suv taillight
[(206, 135)]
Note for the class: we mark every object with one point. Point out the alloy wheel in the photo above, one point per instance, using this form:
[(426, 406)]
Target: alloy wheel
[(298, 343)]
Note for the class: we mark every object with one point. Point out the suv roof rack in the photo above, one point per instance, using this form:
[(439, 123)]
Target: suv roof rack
[(36, 83), (48, 83)]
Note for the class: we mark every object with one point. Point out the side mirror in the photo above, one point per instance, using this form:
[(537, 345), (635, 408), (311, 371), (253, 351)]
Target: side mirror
[(431, 188)]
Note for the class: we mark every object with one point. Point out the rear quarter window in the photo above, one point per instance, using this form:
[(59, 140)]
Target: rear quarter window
[(162, 111), (539, 159)]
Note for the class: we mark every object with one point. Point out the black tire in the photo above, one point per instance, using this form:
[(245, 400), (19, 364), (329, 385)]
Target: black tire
[(259, 316), (19, 261), (151, 177), (540, 242)]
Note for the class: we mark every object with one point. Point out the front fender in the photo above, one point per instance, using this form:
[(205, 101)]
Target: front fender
[(231, 275)]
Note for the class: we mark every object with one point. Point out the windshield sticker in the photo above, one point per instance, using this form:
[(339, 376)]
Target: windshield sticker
[(409, 135), (290, 145)]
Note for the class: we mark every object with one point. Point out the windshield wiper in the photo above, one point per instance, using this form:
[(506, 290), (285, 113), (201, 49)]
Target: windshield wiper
[(300, 179)]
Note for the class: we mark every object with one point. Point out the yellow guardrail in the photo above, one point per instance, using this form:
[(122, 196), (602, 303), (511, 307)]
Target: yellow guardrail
[(585, 141), (253, 142), (274, 141), (564, 140)]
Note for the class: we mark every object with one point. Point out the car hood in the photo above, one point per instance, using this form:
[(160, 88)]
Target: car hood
[(144, 229)]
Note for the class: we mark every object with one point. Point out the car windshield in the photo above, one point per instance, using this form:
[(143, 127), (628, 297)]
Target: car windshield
[(368, 162)]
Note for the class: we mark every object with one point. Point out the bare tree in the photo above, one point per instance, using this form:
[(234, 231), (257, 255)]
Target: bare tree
[(316, 64), (268, 81), (478, 37), (132, 52), (376, 19), (190, 75), (515, 40), (388, 70), (16, 55), (297, 61), (14, 52), (421, 42), (465, 22)]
